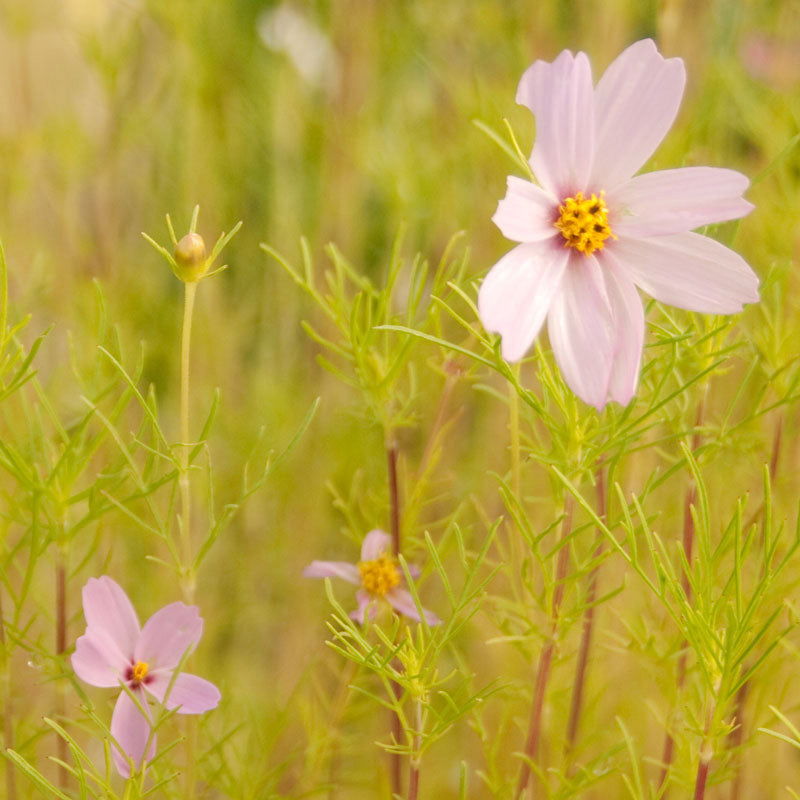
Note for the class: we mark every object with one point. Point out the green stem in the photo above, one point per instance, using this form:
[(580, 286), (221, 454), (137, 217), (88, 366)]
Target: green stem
[(185, 486), (414, 763), (5, 696), (513, 430), (395, 762), (188, 577)]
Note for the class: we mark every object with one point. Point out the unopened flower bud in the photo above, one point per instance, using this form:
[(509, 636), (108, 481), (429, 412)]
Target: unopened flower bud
[(190, 257)]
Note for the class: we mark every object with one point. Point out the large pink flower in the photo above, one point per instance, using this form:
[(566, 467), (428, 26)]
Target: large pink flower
[(590, 232), (115, 651), (379, 576)]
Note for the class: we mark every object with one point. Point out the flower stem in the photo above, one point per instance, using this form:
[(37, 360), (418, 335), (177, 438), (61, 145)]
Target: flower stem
[(736, 736), (395, 762), (704, 761), (394, 496), (61, 648), (185, 486), (5, 698), (735, 739), (702, 777), (413, 781), (546, 655), (513, 430), (587, 631), (668, 751), (187, 571), (414, 763)]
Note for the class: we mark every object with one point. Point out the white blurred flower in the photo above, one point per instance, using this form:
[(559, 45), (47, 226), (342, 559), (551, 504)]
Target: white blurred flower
[(286, 30)]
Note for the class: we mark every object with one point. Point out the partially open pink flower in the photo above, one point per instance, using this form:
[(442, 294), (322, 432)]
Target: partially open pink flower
[(590, 232), (379, 576), (115, 651)]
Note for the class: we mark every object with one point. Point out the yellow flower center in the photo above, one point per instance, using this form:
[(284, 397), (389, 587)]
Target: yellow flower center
[(583, 222), (380, 575), (139, 671)]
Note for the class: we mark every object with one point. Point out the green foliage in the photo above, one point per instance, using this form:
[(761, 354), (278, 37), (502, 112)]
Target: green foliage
[(523, 509)]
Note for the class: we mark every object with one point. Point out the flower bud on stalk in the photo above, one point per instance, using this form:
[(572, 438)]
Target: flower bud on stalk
[(191, 260)]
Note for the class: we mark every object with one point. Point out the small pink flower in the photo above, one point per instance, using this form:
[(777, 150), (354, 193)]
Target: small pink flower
[(591, 232), (379, 576), (115, 651)]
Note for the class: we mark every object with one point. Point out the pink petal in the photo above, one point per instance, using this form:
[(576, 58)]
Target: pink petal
[(97, 661), (678, 200), (109, 613), (636, 102), (628, 330), (168, 634), (561, 97), (332, 569), (131, 731), (193, 694), (402, 601), (689, 271), (526, 213), (581, 330), (365, 602), (376, 544), (516, 294)]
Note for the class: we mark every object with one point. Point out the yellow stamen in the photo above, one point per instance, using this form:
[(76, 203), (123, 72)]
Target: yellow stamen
[(583, 222), (380, 575), (139, 671)]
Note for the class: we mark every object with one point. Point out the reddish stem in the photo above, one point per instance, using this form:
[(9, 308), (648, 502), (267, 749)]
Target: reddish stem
[(776, 448), (688, 549), (735, 739), (702, 777), (413, 782), (395, 762), (579, 684), (61, 648), (546, 656)]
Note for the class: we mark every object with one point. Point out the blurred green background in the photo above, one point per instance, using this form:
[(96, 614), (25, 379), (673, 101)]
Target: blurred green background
[(338, 121)]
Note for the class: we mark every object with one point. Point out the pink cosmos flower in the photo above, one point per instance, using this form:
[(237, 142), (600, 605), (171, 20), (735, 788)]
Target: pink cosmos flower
[(379, 576), (115, 651), (591, 232)]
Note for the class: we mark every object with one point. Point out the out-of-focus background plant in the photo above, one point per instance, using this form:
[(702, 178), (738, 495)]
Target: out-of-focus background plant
[(364, 124)]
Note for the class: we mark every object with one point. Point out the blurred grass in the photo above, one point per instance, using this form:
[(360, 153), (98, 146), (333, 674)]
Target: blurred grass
[(113, 113)]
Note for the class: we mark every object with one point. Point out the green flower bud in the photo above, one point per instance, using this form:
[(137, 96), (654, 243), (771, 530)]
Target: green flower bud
[(190, 258)]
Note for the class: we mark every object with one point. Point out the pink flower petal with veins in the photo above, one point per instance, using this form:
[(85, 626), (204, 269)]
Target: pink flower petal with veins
[(689, 271), (562, 99), (627, 320), (636, 102), (679, 200), (131, 731), (109, 612), (332, 569), (402, 601), (526, 213), (168, 635), (376, 543), (96, 661), (365, 603), (516, 295), (581, 330), (190, 694)]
